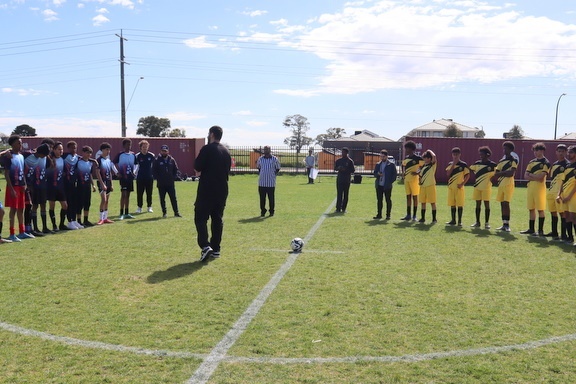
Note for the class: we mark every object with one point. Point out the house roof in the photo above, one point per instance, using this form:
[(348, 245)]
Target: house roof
[(568, 136), (441, 125), (364, 136)]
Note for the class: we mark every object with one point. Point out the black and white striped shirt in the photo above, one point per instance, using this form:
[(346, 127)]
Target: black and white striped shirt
[(268, 167)]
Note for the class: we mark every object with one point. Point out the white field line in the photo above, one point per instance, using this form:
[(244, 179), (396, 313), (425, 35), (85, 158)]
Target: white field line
[(306, 250), (97, 344), (218, 354)]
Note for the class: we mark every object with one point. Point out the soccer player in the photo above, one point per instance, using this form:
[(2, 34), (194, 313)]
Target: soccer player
[(428, 185), (144, 178), (566, 192), (35, 171), (458, 174), (214, 162), (70, 179), (268, 167), (345, 168), (484, 169), (504, 178), (410, 166), (13, 163), (56, 190), (125, 163), (536, 173), (106, 168), (2, 241), (555, 208), (87, 171)]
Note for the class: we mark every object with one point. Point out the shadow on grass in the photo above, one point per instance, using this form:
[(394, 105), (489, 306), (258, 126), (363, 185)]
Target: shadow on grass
[(374, 222), (177, 271), (131, 221), (481, 232), (254, 219), (452, 228), (424, 226), (506, 236), (540, 242)]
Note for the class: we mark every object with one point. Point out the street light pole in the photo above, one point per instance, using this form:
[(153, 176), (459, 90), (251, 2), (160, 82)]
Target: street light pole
[(556, 121), (134, 90)]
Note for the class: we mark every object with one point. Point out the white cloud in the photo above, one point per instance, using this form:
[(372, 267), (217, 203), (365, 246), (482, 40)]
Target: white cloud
[(396, 44), (49, 15), (199, 42), (24, 91), (122, 3), (255, 13), (255, 123), (58, 3), (102, 11), (100, 20)]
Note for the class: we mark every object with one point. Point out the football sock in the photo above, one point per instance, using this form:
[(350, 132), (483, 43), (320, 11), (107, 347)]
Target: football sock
[(487, 215), (562, 227), (43, 217), (460, 211), (414, 211), (531, 225), (554, 224), (423, 213), (52, 215), (540, 224), (453, 213), (433, 215), (478, 214)]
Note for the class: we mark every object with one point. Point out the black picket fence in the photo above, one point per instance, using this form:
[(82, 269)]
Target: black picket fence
[(244, 159)]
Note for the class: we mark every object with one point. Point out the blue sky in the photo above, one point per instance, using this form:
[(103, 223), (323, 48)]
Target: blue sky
[(385, 66)]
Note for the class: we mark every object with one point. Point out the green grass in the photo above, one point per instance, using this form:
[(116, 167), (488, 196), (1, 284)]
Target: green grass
[(361, 288)]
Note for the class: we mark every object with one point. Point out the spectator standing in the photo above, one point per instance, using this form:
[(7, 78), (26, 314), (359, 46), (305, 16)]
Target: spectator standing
[(385, 174), (268, 167), (345, 168), (214, 163), (144, 178), (165, 170), (310, 162)]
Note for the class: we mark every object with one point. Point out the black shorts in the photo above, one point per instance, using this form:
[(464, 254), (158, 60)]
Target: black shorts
[(38, 196), (108, 184), (56, 193), (126, 185)]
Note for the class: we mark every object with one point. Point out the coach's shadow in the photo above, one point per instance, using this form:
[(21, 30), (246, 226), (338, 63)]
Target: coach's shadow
[(254, 219), (155, 218), (176, 272), (375, 222)]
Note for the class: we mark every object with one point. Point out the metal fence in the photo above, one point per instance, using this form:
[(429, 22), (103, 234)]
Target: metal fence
[(244, 159)]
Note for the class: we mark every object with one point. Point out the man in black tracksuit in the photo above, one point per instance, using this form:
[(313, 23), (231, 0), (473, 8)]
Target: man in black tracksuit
[(165, 170), (213, 162)]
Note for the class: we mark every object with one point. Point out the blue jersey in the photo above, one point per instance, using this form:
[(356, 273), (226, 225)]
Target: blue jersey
[(125, 163), (55, 174), (14, 163), (70, 162), (106, 168), (144, 162), (84, 169), (35, 169)]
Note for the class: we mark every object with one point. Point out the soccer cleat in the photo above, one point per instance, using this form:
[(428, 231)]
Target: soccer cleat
[(538, 234), (556, 238), (36, 233), (420, 221), (487, 226), (88, 223), (551, 234), (388, 217), (177, 214), (460, 224), (24, 235), (47, 231), (128, 216), (78, 225), (150, 209), (451, 222), (5, 241), (406, 218), (108, 221), (71, 226), (139, 210), (476, 225), (121, 217), (55, 229), (206, 251), (504, 228), (414, 218), (164, 215), (434, 221), (216, 254), (527, 232), (63, 227), (14, 238), (377, 217), (100, 222)]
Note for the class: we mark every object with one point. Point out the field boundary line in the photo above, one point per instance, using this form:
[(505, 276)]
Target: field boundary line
[(97, 344), (218, 353)]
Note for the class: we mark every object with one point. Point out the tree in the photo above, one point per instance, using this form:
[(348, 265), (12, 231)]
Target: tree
[(3, 138), (331, 133), (153, 126), (480, 134), (176, 132), (24, 130), (516, 132), (298, 126), (452, 131)]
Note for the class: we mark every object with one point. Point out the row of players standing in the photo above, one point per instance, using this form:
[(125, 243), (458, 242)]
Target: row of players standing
[(48, 174), (418, 173)]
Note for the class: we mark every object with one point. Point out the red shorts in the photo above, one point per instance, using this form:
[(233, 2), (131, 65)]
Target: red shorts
[(18, 202)]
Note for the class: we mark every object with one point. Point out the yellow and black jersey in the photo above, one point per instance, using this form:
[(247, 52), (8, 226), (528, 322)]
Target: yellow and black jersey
[(506, 164), (556, 176), (411, 164), (537, 166), (428, 175), (458, 174), (483, 172), (568, 178)]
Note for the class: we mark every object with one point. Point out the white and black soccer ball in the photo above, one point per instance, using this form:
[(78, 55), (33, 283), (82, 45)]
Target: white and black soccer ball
[(297, 244)]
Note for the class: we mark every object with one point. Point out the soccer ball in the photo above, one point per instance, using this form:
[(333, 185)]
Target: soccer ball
[(297, 244)]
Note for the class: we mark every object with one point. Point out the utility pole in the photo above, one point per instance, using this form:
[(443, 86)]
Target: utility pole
[(122, 93)]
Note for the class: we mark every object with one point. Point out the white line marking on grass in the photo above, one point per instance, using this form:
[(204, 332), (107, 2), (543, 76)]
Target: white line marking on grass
[(405, 358), (218, 354), (285, 250), (97, 344)]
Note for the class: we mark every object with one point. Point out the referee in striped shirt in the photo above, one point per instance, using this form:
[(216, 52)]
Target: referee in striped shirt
[(268, 167)]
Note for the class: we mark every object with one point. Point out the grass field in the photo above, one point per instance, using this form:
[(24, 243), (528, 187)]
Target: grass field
[(366, 302)]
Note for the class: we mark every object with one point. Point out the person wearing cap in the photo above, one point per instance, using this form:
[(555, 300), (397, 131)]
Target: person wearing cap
[(214, 163), (35, 171), (144, 178), (345, 168), (165, 170)]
